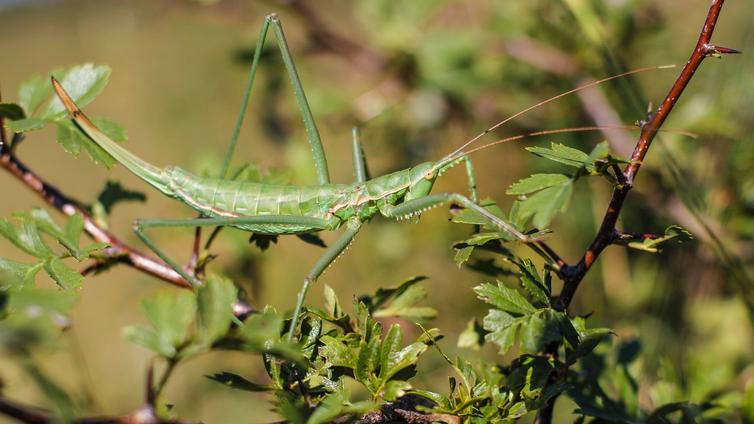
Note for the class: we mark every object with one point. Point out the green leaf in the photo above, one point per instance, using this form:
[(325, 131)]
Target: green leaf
[(562, 154), (537, 182), (367, 361), (262, 329), (406, 357), (214, 305), (502, 328), (544, 204), (537, 330), (237, 382), (532, 283), (110, 128), (170, 315), (32, 92), (27, 124), (472, 336), (52, 300), (502, 297), (83, 83), (11, 111), (383, 295), (403, 306), (332, 305), (337, 353), (26, 238), (72, 139), (395, 389), (390, 345), (148, 338), (66, 277), (16, 274), (330, 408), (462, 255)]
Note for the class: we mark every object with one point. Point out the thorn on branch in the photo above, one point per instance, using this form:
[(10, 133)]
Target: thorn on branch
[(717, 51)]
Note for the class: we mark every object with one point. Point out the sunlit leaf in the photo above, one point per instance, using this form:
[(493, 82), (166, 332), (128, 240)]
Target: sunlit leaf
[(214, 305)]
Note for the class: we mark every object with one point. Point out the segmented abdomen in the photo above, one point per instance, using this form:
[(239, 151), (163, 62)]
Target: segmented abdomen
[(215, 197)]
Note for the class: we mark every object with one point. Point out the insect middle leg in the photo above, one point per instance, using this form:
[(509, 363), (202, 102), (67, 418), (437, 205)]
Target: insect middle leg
[(315, 224)]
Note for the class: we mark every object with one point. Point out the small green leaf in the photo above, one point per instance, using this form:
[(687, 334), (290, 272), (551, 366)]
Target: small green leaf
[(462, 255), (170, 315), (214, 305), (367, 361), (502, 329), (15, 274), (537, 182), (52, 300), (562, 154), (532, 283), (337, 353), (391, 345), (544, 204), (406, 357), (26, 124), (73, 140), (262, 329), (111, 129), (331, 407), (26, 238), (114, 192), (11, 111), (502, 297), (148, 338), (403, 306), (472, 336), (32, 92), (332, 305), (395, 389), (237, 382), (63, 275)]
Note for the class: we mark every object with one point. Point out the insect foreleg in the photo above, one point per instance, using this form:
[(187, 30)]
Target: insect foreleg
[(416, 206), (314, 224), (359, 159), (471, 179), (330, 255)]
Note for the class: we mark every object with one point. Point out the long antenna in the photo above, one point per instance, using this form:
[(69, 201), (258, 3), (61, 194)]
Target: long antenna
[(568, 130), (551, 99)]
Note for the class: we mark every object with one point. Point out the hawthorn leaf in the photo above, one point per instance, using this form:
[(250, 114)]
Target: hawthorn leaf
[(502, 297), (215, 307)]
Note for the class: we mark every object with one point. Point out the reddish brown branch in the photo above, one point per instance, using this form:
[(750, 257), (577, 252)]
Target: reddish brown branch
[(573, 275)]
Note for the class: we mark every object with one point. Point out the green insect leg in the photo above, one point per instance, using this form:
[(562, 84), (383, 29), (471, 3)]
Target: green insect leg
[(330, 255)]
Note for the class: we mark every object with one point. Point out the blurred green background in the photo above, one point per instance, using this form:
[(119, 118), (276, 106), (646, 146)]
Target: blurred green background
[(418, 78)]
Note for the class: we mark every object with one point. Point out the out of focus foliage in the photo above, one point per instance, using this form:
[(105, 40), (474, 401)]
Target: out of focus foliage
[(659, 333)]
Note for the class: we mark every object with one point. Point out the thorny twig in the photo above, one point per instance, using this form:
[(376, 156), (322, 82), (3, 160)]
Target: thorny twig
[(572, 275)]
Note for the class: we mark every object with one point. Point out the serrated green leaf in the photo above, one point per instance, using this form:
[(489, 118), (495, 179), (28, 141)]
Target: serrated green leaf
[(562, 154), (331, 407), (148, 338), (83, 83), (26, 238), (383, 295), (532, 283), (32, 92), (235, 381), (462, 255), (537, 182), (502, 297), (502, 328), (215, 307), (11, 111), (66, 277), (170, 315), (544, 204), (26, 124), (16, 274)]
